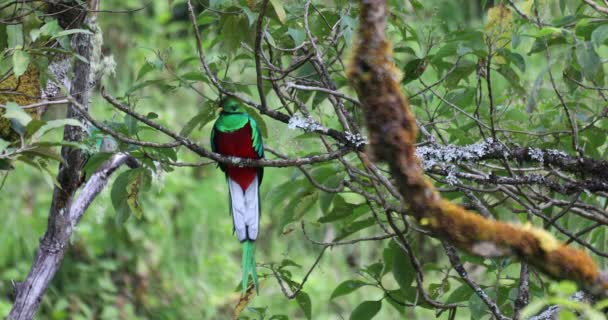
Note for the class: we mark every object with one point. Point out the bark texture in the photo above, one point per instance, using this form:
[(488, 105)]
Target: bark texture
[(49, 256), (63, 214)]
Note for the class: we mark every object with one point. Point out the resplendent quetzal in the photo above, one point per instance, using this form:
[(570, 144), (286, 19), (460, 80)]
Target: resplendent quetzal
[(235, 133)]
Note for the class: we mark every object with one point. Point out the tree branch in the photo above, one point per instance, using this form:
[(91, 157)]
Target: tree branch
[(203, 152), (596, 6), (392, 129), (52, 249)]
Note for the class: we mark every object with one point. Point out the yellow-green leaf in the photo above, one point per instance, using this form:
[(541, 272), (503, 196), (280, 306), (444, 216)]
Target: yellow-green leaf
[(139, 180), (278, 8), (21, 59)]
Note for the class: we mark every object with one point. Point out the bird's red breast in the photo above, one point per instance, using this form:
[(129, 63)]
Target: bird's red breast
[(238, 143)]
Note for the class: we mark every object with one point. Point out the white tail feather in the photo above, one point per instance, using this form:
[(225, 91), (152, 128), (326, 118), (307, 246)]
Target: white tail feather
[(245, 209)]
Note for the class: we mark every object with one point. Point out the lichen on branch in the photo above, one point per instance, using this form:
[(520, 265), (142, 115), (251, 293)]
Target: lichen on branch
[(392, 135)]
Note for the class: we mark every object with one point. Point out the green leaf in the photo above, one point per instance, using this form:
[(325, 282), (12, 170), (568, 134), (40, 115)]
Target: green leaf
[(591, 314), (533, 308), (35, 33), (462, 293), (563, 288), (354, 227), (403, 270), (514, 58), (348, 26), (21, 59), (305, 304), (42, 65), (414, 69), (598, 237), (139, 180), (463, 69), (304, 205), (143, 84), (297, 35), (14, 111), (235, 30), (251, 16), (387, 258), (565, 314), (539, 44), (511, 76), (278, 8), (49, 176), (206, 17), (53, 124), (119, 197), (301, 202), (366, 310), (51, 28), (200, 120), (584, 27), (347, 287), (515, 40), (588, 59), (15, 35), (95, 161), (547, 31), (341, 209), (3, 145), (3, 39), (289, 263), (600, 35), (32, 127), (43, 152), (194, 76), (152, 115), (70, 32), (478, 308), (147, 67), (374, 270), (131, 124), (460, 97)]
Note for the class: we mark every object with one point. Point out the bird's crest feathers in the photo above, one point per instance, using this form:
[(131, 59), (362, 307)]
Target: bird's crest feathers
[(232, 105)]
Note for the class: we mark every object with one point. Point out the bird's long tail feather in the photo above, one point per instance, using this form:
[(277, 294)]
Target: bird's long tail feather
[(249, 265)]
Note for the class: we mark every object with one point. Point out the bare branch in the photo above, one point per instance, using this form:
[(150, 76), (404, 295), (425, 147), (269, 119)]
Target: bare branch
[(596, 6), (455, 260)]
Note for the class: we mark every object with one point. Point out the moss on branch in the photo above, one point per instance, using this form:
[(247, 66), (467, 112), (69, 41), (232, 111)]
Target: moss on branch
[(392, 135)]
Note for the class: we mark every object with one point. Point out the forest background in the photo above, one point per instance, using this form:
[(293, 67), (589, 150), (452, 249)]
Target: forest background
[(511, 101)]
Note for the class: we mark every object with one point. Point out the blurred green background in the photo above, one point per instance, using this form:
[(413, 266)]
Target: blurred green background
[(181, 260)]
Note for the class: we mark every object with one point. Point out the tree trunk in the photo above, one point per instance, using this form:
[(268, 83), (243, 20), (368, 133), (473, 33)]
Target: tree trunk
[(70, 177)]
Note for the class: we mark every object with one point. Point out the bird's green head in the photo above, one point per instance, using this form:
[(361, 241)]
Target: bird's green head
[(232, 105)]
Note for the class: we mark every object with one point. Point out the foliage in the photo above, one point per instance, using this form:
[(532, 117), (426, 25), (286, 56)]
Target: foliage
[(473, 74)]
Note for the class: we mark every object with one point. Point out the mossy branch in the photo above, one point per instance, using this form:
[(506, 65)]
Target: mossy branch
[(392, 135)]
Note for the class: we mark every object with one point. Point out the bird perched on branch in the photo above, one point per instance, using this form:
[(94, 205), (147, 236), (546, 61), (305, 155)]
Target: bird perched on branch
[(235, 133)]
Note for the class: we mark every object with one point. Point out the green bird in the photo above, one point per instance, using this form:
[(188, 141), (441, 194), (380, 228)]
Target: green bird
[(235, 133)]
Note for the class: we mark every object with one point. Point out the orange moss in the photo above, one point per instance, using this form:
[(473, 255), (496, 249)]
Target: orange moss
[(23, 91)]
